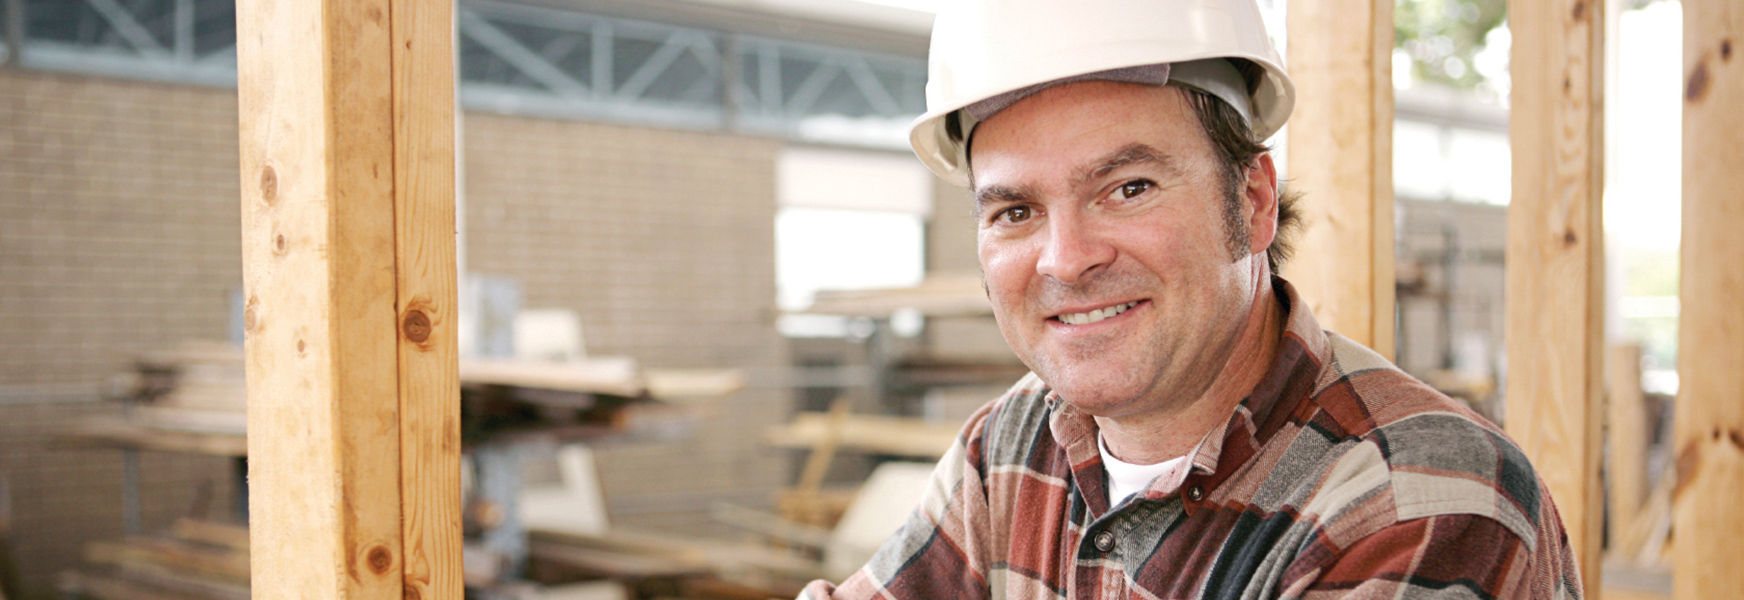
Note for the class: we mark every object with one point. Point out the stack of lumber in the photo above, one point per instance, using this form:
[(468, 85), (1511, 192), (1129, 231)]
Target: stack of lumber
[(700, 568), (939, 295), (206, 375), (615, 376), (810, 511), (194, 376), (195, 560), (193, 398), (189, 398), (207, 560)]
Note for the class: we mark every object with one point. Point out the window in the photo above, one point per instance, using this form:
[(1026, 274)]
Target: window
[(846, 220)]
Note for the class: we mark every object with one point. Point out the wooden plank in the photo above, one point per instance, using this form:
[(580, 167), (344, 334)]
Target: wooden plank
[(1555, 303), (123, 433), (1341, 158), (690, 384), (212, 533), (615, 375), (611, 563), (1626, 475), (343, 191), (817, 465), (866, 433), (185, 586), (104, 587), (1710, 413), (777, 527), (198, 560), (939, 295), (316, 125), (687, 551), (1646, 539), (429, 310)]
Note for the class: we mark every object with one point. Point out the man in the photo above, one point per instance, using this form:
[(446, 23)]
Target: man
[(1188, 430)]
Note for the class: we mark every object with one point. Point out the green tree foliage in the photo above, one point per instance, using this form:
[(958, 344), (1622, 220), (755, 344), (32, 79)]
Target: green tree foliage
[(1443, 37)]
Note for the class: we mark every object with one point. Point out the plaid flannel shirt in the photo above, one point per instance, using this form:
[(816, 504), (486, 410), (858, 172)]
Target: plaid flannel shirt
[(1338, 477)]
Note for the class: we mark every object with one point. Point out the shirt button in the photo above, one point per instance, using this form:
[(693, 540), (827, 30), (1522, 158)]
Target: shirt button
[(1104, 540), (1195, 493)]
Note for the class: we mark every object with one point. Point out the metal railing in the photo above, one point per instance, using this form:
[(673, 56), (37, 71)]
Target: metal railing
[(525, 59)]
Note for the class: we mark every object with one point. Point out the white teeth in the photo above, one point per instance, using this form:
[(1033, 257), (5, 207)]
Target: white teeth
[(1086, 318)]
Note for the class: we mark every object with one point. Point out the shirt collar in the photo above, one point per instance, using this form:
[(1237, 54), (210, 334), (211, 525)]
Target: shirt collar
[(1289, 381)]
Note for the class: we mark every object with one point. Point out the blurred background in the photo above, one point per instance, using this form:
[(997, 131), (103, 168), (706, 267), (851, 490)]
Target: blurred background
[(710, 302)]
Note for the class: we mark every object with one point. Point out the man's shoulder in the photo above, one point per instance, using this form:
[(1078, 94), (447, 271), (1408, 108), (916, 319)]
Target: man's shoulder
[(1363, 391), (1437, 456), (1006, 429)]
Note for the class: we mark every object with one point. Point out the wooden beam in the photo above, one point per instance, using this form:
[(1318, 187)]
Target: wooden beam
[(1710, 412), (1626, 474), (1341, 158), (428, 302), (1555, 303), (348, 269)]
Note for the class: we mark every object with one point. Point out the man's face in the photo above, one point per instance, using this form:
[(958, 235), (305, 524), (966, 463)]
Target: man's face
[(1103, 237)]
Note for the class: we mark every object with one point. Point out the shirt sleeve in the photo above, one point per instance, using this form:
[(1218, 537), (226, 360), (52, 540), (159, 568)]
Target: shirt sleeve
[(1442, 556), (941, 552)]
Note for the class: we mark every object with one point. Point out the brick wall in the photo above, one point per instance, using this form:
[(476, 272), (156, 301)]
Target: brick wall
[(951, 234), (118, 234)]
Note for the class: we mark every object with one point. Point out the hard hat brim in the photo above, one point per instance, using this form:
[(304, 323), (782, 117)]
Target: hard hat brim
[(1273, 99)]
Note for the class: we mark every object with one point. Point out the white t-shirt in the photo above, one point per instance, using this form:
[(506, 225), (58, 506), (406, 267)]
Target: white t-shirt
[(1126, 479)]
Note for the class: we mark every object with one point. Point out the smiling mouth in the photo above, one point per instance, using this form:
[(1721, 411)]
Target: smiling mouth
[(1086, 318)]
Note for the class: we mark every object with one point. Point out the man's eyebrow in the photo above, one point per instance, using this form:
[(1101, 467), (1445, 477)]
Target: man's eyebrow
[(999, 194), (1131, 154), (1134, 153)]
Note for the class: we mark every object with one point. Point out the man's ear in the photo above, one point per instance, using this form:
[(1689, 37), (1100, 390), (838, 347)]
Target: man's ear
[(1260, 195)]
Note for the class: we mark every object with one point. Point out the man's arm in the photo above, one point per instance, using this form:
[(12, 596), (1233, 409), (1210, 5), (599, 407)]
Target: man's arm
[(1443, 556)]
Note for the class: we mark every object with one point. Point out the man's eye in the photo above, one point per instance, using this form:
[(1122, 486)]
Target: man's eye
[(1133, 188), (1015, 214)]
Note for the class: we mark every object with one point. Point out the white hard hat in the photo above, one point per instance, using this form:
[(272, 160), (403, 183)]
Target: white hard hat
[(990, 53)]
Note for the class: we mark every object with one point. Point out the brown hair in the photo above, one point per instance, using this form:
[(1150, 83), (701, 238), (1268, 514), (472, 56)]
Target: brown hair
[(1236, 153)]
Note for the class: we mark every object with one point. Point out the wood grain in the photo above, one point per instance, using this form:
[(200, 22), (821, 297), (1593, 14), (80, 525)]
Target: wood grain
[(1626, 429), (429, 372), (1341, 158), (1710, 413), (325, 167), (1555, 302)]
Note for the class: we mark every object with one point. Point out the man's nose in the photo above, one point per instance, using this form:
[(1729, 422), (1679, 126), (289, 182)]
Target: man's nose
[(1072, 250)]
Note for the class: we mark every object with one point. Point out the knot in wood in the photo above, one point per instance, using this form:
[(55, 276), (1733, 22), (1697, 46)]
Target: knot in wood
[(1697, 85), (416, 326), (250, 322), (412, 593), (269, 184), (379, 559), (1689, 460)]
